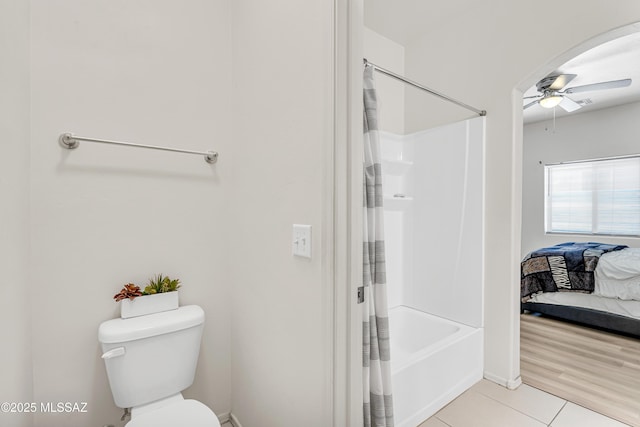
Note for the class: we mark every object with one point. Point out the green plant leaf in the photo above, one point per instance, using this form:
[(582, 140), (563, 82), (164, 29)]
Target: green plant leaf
[(161, 284)]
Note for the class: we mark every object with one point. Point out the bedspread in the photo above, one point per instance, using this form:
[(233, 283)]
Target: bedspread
[(563, 267)]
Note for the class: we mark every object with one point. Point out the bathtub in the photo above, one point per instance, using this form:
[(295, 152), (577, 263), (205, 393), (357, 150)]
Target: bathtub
[(433, 360)]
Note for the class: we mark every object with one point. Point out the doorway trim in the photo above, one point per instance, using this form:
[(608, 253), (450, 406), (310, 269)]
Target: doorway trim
[(347, 232), (518, 151)]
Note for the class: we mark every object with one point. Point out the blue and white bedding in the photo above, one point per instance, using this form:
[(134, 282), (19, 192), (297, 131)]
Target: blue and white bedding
[(563, 267)]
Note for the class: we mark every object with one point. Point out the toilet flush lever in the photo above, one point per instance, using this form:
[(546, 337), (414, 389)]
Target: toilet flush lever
[(114, 352)]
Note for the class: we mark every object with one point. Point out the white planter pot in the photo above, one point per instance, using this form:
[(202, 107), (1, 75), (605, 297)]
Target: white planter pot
[(148, 304)]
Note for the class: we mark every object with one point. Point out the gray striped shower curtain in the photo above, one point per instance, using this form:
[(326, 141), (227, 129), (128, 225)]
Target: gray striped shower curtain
[(378, 402)]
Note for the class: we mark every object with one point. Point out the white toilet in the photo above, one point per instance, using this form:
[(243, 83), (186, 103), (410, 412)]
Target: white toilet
[(150, 360)]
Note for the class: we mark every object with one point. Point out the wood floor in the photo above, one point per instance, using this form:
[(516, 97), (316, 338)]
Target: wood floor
[(594, 369)]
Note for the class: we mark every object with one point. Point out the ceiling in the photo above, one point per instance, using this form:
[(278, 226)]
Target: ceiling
[(405, 20), (615, 60)]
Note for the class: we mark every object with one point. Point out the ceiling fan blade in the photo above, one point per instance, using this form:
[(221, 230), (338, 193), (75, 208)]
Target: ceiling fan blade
[(530, 104), (561, 81), (532, 96), (599, 86), (569, 105)]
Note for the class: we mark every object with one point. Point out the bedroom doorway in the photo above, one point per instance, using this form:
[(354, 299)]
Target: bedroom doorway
[(587, 366)]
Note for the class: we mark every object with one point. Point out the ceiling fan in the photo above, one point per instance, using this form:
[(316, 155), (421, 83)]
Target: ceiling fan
[(551, 93)]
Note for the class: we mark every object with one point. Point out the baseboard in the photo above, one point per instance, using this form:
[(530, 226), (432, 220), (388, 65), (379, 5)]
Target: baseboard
[(234, 420), (228, 417), (514, 384), (510, 384)]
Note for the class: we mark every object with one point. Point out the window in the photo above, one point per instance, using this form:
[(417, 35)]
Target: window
[(594, 197)]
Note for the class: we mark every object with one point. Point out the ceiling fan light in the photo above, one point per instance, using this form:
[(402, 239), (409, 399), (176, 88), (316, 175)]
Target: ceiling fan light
[(550, 101)]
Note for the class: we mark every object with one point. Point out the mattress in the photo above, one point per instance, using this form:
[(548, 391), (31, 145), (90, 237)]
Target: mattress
[(625, 308)]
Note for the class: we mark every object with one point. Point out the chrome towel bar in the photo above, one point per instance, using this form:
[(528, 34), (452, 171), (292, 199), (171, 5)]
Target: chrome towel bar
[(70, 141)]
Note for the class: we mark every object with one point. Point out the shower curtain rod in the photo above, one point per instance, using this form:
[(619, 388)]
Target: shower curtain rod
[(419, 86), (70, 141)]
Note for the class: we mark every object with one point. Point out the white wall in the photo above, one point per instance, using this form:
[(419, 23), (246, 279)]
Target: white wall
[(479, 56), (390, 55), (283, 133), (15, 293), (156, 72), (433, 236), (160, 72), (590, 135), (447, 236)]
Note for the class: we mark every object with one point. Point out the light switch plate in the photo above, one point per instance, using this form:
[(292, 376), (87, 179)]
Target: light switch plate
[(301, 242)]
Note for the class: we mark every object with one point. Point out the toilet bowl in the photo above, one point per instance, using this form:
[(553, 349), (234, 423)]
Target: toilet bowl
[(150, 360)]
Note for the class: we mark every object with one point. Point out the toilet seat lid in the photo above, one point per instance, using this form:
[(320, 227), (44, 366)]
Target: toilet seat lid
[(186, 413)]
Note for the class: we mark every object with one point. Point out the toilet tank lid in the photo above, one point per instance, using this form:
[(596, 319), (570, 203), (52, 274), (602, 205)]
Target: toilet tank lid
[(123, 330)]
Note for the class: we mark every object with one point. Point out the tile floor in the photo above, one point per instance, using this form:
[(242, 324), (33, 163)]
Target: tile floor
[(489, 405)]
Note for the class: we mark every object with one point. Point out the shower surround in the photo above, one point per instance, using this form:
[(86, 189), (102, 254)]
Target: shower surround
[(433, 183)]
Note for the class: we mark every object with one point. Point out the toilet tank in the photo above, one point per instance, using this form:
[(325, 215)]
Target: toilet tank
[(151, 357)]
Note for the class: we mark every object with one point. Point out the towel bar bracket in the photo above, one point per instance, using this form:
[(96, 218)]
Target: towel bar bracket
[(67, 141), (211, 157)]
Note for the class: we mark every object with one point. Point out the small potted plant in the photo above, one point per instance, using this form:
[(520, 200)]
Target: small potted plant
[(159, 295)]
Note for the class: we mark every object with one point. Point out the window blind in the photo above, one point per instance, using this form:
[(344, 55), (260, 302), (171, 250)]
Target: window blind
[(594, 197)]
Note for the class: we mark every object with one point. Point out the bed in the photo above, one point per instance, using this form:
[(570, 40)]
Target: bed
[(591, 283)]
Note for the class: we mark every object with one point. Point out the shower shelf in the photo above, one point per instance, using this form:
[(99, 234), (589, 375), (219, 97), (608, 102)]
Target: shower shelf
[(398, 197), (396, 167), (397, 203)]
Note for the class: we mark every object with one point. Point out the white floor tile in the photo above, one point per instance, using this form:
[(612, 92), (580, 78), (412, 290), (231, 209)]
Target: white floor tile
[(473, 409), (530, 401), (433, 422), (573, 415)]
